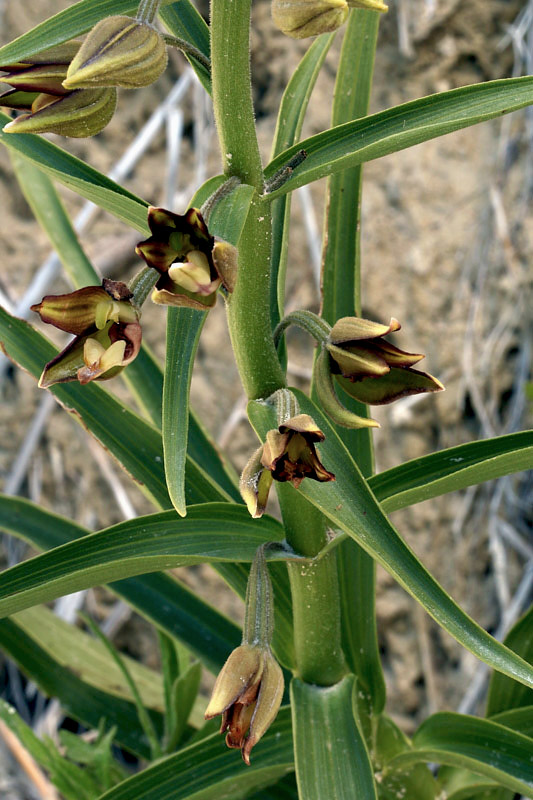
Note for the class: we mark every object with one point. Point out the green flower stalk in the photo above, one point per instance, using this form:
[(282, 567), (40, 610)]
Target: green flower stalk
[(37, 89), (249, 689)]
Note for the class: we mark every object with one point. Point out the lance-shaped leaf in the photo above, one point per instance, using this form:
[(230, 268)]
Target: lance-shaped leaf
[(78, 176), (351, 506), (184, 21), (452, 469), (377, 135), (81, 700), (208, 770), (330, 754), (184, 326), (505, 694), (211, 532), (479, 745)]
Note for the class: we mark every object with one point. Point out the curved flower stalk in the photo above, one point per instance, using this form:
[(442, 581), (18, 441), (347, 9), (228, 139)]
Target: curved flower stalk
[(106, 327), (249, 689), (192, 265)]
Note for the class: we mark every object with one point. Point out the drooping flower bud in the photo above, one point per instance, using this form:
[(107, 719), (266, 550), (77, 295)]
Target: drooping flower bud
[(191, 264), (369, 368), (249, 689), (119, 51), (288, 454), (107, 333), (302, 18), (78, 114)]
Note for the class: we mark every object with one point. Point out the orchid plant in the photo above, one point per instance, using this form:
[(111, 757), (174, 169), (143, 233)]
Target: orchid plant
[(303, 684)]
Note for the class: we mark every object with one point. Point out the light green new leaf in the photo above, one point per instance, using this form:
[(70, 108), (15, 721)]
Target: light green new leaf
[(78, 176), (330, 754), (350, 505), (452, 469), (160, 598), (211, 532), (82, 701), (399, 127), (505, 694), (479, 745), (210, 771)]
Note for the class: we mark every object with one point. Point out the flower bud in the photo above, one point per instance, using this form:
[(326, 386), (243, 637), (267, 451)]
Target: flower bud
[(369, 368), (119, 51), (249, 689), (302, 18), (79, 114)]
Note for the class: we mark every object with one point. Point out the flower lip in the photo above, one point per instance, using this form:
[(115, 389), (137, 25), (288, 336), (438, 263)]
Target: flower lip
[(248, 693)]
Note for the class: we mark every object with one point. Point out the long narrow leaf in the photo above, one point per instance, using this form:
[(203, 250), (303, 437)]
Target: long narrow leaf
[(48, 209), (184, 326), (78, 176), (482, 746), (452, 469), (402, 126), (329, 751), (79, 699), (184, 21), (158, 597), (351, 506), (209, 771), (341, 297), (291, 115), (211, 532)]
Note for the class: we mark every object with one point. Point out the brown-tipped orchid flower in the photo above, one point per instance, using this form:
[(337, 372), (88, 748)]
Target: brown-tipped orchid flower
[(37, 90), (249, 689), (106, 328), (369, 368), (191, 264), (288, 454)]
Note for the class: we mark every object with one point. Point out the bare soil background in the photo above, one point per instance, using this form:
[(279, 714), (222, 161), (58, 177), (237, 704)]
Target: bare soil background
[(447, 244)]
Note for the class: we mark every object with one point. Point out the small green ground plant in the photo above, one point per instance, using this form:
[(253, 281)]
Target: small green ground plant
[(300, 690)]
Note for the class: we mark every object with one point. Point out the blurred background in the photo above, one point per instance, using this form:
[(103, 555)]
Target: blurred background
[(447, 246)]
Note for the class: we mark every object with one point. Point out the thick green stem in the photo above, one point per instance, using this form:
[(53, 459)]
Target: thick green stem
[(315, 593), (248, 306), (232, 92)]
